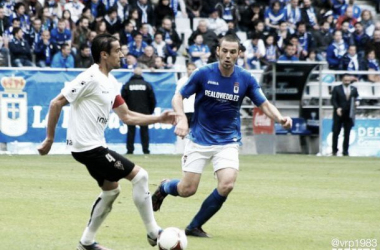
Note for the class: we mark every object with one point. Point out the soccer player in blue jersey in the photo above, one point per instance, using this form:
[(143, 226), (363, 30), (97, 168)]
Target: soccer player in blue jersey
[(215, 130)]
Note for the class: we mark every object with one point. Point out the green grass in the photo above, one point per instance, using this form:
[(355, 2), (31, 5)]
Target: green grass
[(279, 202)]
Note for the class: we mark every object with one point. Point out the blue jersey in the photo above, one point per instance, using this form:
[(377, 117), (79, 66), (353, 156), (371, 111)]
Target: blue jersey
[(216, 120)]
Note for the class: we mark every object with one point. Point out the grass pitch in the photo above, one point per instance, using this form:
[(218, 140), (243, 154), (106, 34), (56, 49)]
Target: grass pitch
[(279, 202)]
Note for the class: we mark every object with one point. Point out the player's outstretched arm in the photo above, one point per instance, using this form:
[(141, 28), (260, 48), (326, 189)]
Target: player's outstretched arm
[(182, 128), (133, 118), (54, 112), (272, 112)]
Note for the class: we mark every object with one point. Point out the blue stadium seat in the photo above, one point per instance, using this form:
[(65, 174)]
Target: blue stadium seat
[(280, 130), (299, 127)]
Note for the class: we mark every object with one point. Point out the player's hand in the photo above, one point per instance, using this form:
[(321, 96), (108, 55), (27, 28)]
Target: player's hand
[(286, 122), (339, 111), (168, 117), (182, 128), (45, 146)]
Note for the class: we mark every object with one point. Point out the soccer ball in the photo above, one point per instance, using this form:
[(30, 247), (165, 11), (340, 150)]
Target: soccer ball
[(172, 238)]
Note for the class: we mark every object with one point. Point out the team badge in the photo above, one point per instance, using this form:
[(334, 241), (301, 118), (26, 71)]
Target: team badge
[(119, 165), (236, 87), (14, 110)]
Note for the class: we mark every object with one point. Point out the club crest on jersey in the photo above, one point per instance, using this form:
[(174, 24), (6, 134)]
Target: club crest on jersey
[(236, 87), (119, 165)]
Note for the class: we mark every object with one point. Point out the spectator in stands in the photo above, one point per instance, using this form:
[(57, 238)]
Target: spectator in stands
[(83, 59), (33, 8), (217, 24), (273, 16), (4, 53), (20, 50), (355, 9), (160, 64), (8, 7), (146, 12), (86, 12), (123, 8), (337, 6), (179, 8), (370, 63), (260, 28), (199, 52), (232, 30), (374, 43), (75, 7), (348, 16), (170, 36), (137, 47), (209, 38), (19, 12), (55, 9), (350, 60), (61, 34), (144, 30), (131, 62), (126, 36), (283, 36), (148, 58), (242, 59), (367, 21), (80, 34), (293, 15), (336, 50), (312, 57), (160, 47), (98, 9), (341, 101), (347, 33), (228, 11), (4, 21), (163, 10), (194, 7), (305, 39), (360, 39), (294, 40), (270, 50), (289, 54), (134, 17), (310, 15), (45, 50), (255, 50), (250, 16), (112, 21), (48, 21), (101, 27), (90, 38), (34, 35), (66, 14), (323, 38), (8, 35), (63, 58)]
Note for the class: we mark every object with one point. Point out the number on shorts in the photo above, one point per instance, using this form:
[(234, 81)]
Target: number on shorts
[(110, 158)]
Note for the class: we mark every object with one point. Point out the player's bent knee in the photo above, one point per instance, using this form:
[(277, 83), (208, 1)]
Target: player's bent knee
[(142, 175), (187, 191), (225, 188)]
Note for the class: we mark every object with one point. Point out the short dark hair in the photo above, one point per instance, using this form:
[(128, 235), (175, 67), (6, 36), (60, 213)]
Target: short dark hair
[(84, 46), (230, 38), (63, 46), (190, 63), (15, 30), (101, 43)]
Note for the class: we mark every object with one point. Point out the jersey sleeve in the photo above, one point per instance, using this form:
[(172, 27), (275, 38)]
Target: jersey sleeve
[(78, 88), (255, 92), (192, 85)]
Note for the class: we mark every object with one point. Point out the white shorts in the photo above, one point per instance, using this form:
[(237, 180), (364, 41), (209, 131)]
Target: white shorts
[(196, 157)]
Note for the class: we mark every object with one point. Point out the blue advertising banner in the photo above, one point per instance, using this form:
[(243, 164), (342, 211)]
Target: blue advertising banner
[(25, 95), (364, 138)]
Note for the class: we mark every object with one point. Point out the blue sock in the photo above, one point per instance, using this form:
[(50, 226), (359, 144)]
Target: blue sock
[(210, 206), (170, 187)]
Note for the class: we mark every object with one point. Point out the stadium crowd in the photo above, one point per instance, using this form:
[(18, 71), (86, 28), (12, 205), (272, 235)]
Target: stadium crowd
[(59, 33)]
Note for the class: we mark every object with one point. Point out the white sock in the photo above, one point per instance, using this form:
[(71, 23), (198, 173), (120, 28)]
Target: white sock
[(143, 202), (101, 208)]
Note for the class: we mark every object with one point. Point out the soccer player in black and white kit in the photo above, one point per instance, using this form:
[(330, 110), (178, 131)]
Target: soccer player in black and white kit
[(92, 95)]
